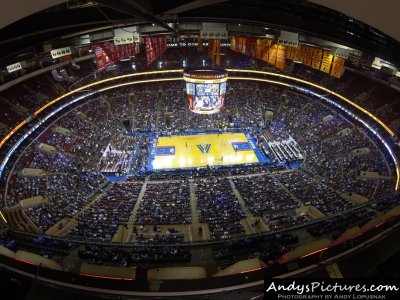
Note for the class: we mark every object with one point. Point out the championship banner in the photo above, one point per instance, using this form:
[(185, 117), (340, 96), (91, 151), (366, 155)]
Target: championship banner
[(289, 52), (265, 49), (238, 44), (211, 49), (253, 48), (259, 49), (250, 44), (265, 55), (107, 53), (214, 49), (316, 61), (337, 67), (295, 54), (200, 44), (233, 43), (218, 52), (243, 47), (326, 62), (281, 57), (272, 54), (155, 47), (102, 60), (308, 53), (302, 53)]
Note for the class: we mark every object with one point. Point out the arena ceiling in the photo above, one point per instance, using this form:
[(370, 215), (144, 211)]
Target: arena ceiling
[(26, 25)]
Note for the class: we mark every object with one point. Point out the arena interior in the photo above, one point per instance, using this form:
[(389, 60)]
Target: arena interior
[(190, 149)]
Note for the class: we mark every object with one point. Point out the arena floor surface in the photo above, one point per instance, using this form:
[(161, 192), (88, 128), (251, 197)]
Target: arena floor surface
[(201, 150)]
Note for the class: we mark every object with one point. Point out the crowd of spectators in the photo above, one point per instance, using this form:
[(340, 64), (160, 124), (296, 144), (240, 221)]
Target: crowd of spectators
[(94, 254), (268, 249), (118, 154), (95, 127), (64, 195), (217, 205), (145, 107), (165, 203), (170, 236), (263, 194), (313, 192), (172, 108), (72, 178), (248, 102), (283, 220), (330, 144), (100, 221)]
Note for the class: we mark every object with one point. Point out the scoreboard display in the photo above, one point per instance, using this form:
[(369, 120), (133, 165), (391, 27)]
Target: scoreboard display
[(211, 89), (206, 90)]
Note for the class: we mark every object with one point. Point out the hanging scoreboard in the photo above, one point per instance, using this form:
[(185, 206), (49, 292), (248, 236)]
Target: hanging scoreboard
[(206, 89)]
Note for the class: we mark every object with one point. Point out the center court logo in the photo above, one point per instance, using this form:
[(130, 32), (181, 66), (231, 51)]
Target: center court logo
[(203, 149)]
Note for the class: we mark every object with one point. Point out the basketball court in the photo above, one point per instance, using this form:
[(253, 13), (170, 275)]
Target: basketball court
[(201, 150)]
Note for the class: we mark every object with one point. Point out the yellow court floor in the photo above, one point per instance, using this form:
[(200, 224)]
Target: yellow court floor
[(188, 151)]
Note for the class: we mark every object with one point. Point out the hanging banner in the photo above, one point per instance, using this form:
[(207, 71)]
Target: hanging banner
[(200, 44), (237, 44), (316, 61), (107, 53), (280, 57), (265, 50), (14, 67), (102, 60), (289, 52), (56, 53), (218, 52), (272, 54), (287, 38), (250, 47), (339, 52), (155, 47), (233, 43), (337, 67), (126, 39), (259, 49), (326, 62), (211, 49), (302, 53), (214, 34), (308, 53), (295, 54), (243, 45)]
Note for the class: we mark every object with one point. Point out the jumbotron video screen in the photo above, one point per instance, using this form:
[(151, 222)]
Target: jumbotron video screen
[(206, 90)]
